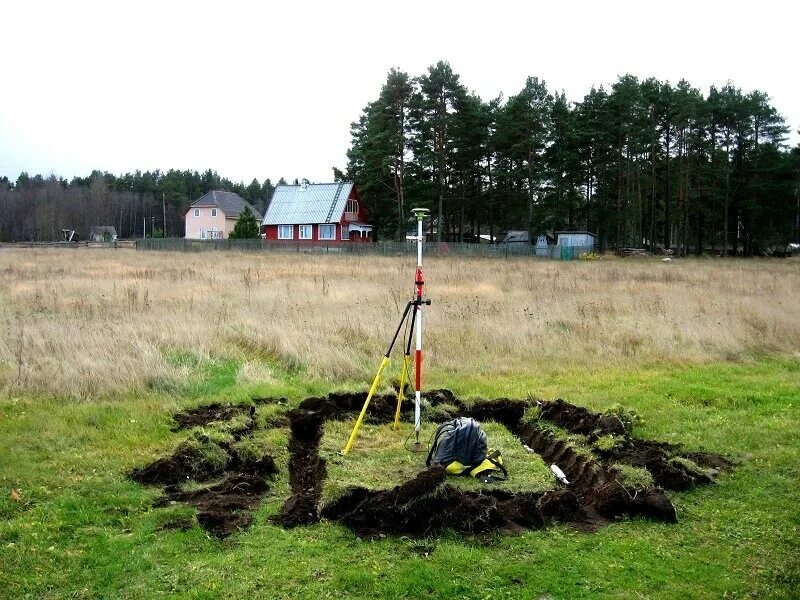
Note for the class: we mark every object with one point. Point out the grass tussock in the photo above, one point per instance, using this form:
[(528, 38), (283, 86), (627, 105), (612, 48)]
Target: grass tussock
[(89, 323)]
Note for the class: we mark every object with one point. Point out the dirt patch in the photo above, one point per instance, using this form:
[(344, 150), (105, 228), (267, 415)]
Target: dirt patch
[(670, 467), (203, 415), (225, 506), (192, 461)]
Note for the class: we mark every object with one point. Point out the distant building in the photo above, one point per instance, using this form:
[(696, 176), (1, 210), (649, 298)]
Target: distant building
[(515, 237), (583, 239), (317, 213), (102, 233), (213, 215)]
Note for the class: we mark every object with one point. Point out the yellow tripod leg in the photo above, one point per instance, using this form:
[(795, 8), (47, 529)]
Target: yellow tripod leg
[(401, 394), (360, 420)]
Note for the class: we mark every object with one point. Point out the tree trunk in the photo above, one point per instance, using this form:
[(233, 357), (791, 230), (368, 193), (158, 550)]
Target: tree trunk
[(490, 200), (667, 199)]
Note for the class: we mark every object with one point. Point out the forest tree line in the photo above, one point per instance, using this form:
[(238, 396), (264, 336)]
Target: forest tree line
[(36, 208), (641, 164)]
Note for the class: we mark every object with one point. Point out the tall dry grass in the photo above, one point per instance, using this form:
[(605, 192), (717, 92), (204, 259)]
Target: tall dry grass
[(90, 322)]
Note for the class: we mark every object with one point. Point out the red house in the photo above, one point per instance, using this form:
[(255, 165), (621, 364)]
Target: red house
[(316, 213)]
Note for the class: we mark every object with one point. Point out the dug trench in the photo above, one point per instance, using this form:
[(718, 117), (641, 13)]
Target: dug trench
[(427, 504)]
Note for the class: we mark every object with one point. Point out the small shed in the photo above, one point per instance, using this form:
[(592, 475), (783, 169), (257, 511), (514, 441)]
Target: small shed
[(103, 233), (515, 237), (582, 239)]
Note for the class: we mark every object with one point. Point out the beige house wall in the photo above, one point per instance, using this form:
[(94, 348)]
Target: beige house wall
[(197, 224)]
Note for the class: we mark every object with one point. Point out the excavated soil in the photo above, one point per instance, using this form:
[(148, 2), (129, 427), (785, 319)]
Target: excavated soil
[(223, 507), (203, 415), (427, 503)]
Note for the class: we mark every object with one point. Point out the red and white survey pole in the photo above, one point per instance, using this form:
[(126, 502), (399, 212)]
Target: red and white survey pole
[(414, 309), (419, 283)]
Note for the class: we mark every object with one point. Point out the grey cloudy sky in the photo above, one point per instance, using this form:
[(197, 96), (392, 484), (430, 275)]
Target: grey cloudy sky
[(270, 89)]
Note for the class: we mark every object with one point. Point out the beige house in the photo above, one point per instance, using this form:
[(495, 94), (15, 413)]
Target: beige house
[(212, 216)]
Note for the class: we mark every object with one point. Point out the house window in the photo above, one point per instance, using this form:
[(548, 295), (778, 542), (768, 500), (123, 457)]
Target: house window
[(213, 212), (304, 232), (202, 234), (345, 232), (327, 232), (285, 232), (196, 212), (352, 206)]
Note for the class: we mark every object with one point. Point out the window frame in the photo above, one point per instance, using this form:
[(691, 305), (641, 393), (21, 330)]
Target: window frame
[(345, 234), (196, 212), (213, 212), (280, 232), (323, 227), (300, 235), (202, 234), (351, 202)]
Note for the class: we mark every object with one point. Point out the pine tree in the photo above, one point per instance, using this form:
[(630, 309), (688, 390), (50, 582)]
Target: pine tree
[(246, 226)]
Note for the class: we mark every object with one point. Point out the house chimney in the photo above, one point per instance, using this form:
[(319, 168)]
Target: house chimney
[(303, 183)]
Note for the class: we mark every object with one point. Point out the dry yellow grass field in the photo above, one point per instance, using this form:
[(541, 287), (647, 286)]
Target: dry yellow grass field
[(83, 323)]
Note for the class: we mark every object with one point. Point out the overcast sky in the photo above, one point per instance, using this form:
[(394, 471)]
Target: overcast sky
[(270, 90)]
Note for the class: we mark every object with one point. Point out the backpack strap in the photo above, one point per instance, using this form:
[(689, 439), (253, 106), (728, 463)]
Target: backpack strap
[(439, 431), (493, 457)]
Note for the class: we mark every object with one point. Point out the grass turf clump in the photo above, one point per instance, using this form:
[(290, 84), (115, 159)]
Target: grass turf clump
[(203, 454), (690, 466), (637, 478), (629, 417), (439, 413), (606, 442), (531, 415)]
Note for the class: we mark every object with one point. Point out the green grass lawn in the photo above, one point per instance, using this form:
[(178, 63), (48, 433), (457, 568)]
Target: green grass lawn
[(82, 530)]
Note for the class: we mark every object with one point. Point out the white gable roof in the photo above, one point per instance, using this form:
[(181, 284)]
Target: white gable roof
[(312, 203)]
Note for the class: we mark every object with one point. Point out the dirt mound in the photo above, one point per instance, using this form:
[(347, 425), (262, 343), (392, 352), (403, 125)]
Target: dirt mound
[(578, 419), (502, 410), (669, 467), (203, 415), (426, 505), (189, 462)]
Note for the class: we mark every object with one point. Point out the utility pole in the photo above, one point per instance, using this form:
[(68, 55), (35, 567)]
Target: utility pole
[(164, 208)]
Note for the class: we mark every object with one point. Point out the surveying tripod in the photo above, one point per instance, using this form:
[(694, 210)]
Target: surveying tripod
[(414, 308)]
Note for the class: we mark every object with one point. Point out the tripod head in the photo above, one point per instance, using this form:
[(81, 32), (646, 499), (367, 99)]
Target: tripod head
[(420, 213)]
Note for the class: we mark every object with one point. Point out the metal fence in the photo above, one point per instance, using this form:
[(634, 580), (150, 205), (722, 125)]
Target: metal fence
[(377, 248)]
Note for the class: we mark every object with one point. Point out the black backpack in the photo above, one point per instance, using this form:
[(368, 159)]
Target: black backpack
[(461, 447)]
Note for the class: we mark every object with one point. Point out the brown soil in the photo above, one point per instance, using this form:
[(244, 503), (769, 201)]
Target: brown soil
[(427, 504), (307, 470), (578, 419), (203, 415), (226, 506)]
